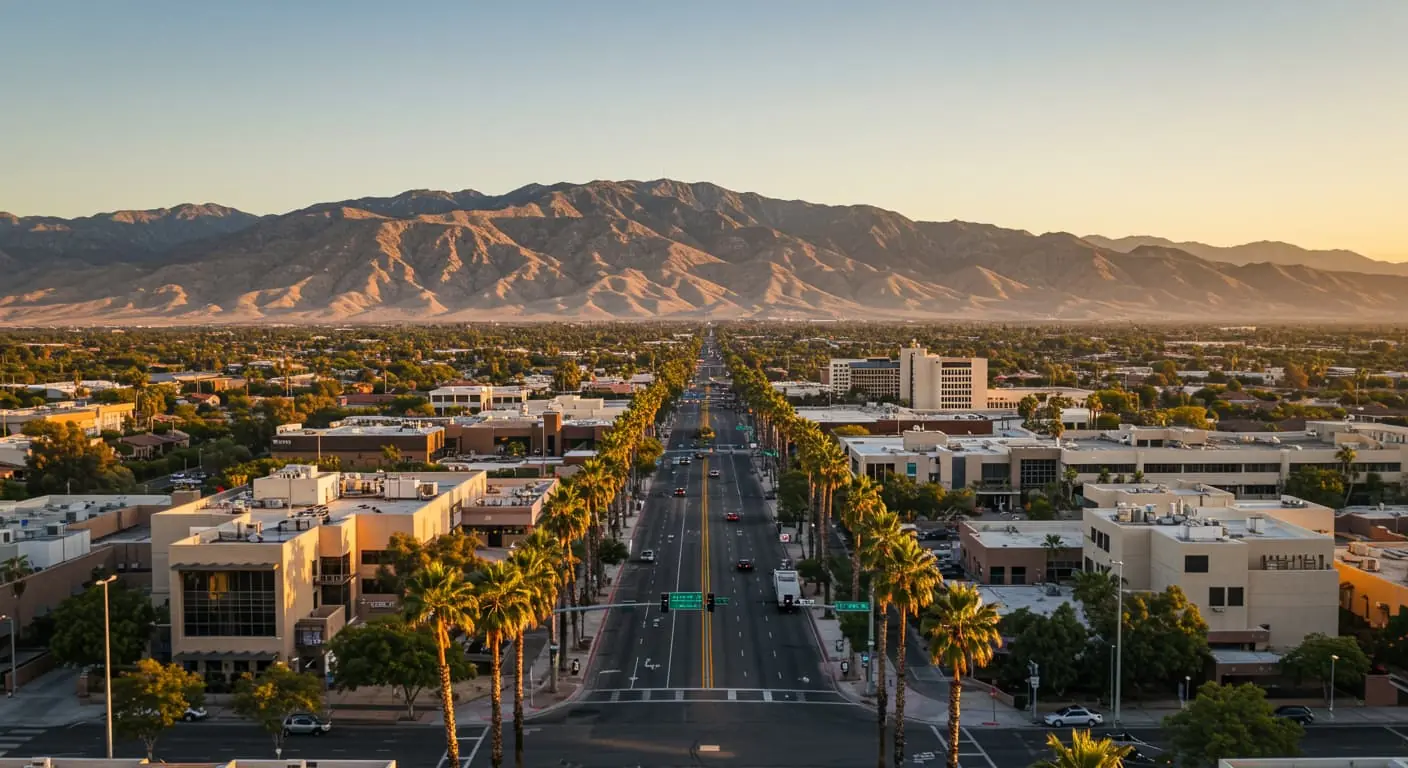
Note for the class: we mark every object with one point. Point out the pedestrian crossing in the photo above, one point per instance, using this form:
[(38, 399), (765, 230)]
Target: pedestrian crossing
[(13, 738), (686, 695)]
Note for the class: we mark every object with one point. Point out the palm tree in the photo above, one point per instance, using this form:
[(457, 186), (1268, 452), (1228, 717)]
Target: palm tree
[(1052, 544), (833, 469), (14, 571), (1346, 456), (504, 605), (862, 502), (962, 634), (883, 535), (536, 558), (566, 520), (908, 580), (1085, 751), (443, 599)]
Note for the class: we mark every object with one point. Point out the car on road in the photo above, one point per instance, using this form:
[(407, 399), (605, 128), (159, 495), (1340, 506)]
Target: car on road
[(732, 517), (699, 454), (306, 725), (195, 713), (713, 473), (1295, 712), (1073, 716), (679, 491), (686, 460), (745, 564), (648, 556)]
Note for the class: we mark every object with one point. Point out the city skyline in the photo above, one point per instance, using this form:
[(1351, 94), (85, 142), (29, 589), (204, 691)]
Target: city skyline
[(1218, 124)]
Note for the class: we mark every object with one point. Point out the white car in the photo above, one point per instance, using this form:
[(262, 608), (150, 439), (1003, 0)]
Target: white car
[(647, 556), (713, 473), (1074, 716)]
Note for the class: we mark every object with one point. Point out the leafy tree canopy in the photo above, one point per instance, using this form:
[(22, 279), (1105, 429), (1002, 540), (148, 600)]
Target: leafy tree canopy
[(1055, 643), (388, 653), (78, 626), (152, 698), (274, 695), (1230, 721), (1311, 660)]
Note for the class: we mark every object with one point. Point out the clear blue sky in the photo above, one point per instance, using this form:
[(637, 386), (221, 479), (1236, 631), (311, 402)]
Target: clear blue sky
[(1221, 120)]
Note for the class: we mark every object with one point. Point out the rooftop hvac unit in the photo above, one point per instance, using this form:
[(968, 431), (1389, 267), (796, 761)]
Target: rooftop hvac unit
[(55, 529), (1371, 564), (7, 536), (1255, 523), (1358, 548), (1122, 514)]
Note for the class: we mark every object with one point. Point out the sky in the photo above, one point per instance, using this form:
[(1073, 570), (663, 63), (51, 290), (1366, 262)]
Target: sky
[(1222, 121)]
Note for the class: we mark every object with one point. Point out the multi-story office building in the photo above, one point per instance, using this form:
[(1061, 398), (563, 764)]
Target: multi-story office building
[(478, 397), (877, 377), (1262, 573), (92, 418), (1017, 552), (276, 569), (932, 382), (360, 445), (1248, 465)]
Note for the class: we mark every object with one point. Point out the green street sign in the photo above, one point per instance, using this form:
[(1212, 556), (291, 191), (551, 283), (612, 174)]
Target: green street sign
[(687, 601), (720, 601), (844, 607), (770, 453)]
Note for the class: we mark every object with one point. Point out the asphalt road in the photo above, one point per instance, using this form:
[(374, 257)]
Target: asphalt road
[(746, 645)]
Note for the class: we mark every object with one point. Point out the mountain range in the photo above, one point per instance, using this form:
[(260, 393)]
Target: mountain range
[(654, 249)]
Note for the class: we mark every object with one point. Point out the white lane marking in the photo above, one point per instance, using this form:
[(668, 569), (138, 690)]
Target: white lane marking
[(674, 615), (982, 752), (633, 678)]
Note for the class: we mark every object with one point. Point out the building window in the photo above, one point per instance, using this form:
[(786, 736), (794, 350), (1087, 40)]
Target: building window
[(1019, 574), (228, 603), (375, 557), (1234, 596), (1195, 563), (1038, 473), (1217, 597), (997, 575)]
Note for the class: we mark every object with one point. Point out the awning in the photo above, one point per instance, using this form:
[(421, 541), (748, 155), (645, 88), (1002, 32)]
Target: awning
[(224, 566)]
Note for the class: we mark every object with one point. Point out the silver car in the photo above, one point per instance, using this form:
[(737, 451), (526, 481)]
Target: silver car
[(306, 725)]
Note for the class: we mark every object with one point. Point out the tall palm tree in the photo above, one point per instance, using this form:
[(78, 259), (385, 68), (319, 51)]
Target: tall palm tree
[(1085, 751), (1346, 456), (1052, 544), (503, 604), (908, 581), (962, 634), (14, 571), (862, 502), (566, 520), (443, 599), (883, 534), (833, 470), (536, 559)]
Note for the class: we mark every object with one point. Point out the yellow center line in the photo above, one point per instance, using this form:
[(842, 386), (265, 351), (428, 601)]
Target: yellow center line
[(707, 656)]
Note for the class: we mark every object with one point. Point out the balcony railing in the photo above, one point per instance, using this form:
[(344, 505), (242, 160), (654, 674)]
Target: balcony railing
[(332, 578)]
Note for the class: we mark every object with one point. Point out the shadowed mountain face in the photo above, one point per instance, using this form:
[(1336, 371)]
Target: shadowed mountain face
[(1262, 252), (626, 250)]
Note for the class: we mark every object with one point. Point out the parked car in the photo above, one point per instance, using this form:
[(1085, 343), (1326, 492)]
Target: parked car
[(647, 556), (1073, 716), (305, 724), (1295, 712)]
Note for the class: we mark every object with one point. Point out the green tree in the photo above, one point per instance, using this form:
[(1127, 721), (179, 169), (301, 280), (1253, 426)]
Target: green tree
[(567, 376), (1165, 639), (504, 606), (391, 654), (456, 550), (1225, 722), (63, 459), (1311, 660), (442, 598), (1098, 595), (1055, 642), (1085, 751), (850, 430), (1316, 485), (792, 502), (273, 695), (962, 633), (612, 552), (151, 699), (1346, 456), (908, 581), (78, 626)]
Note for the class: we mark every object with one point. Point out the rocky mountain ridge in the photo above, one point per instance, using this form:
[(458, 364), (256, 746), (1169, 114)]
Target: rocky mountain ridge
[(627, 250)]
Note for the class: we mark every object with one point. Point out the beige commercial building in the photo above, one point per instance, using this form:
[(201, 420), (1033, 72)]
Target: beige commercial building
[(932, 382), (478, 397), (998, 552), (276, 569), (92, 418), (877, 377), (1262, 573)]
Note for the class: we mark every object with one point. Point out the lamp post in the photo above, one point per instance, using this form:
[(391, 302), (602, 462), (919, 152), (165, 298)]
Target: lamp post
[(107, 657), (1187, 689), (1119, 634), (1333, 659), (14, 659)]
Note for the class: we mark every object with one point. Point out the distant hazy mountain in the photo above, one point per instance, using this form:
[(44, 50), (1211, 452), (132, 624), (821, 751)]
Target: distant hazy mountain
[(1265, 251), (627, 250)]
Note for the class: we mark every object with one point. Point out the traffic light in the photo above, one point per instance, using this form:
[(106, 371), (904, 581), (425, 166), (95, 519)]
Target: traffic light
[(664, 602), (711, 602)]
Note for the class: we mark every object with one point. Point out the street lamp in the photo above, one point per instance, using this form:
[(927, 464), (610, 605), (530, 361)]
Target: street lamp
[(1119, 634), (14, 660), (107, 656), (1333, 659), (1187, 689)]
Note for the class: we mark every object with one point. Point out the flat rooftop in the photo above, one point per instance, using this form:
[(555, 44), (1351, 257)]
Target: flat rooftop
[(1380, 512), (1392, 557), (1234, 519), (885, 445), (346, 430), (1023, 535), (1042, 601)]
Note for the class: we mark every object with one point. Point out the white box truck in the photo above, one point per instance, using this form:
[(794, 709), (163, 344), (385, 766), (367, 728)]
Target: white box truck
[(788, 589)]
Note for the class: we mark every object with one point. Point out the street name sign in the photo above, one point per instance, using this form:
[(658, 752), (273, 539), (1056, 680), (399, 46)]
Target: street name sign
[(686, 601), (845, 607)]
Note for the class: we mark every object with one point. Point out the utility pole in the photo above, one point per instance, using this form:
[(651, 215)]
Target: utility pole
[(1119, 636), (870, 647)]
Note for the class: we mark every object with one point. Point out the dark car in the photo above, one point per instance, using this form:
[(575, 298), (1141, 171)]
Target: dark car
[(1295, 712), (679, 491), (745, 565), (732, 517)]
